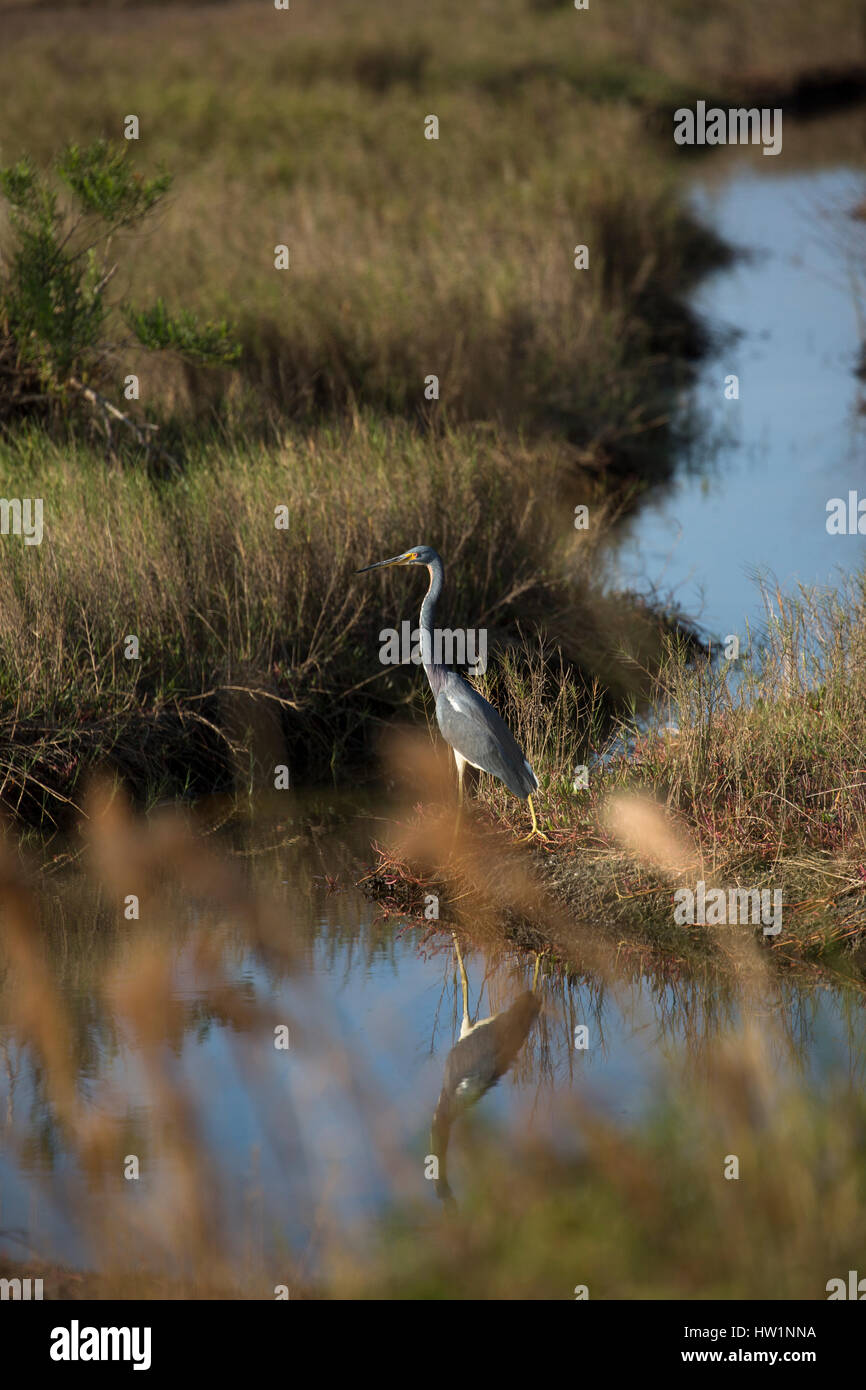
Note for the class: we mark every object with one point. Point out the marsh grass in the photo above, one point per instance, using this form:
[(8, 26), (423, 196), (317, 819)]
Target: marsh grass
[(258, 645), (409, 257), (763, 755)]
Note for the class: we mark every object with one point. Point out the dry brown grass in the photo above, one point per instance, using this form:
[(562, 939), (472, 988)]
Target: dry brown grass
[(409, 257), (259, 645)]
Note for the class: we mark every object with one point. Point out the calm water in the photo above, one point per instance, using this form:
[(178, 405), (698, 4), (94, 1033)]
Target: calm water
[(339, 1123), (341, 1120), (752, 496)]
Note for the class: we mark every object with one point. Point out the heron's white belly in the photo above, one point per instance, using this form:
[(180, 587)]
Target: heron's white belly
[(466, 1027), (461, 762)]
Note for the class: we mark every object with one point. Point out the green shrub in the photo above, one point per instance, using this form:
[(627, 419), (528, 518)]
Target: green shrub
[(57, 321)]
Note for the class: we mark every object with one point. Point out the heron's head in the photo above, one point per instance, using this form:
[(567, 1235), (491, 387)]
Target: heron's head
[(418, 555)]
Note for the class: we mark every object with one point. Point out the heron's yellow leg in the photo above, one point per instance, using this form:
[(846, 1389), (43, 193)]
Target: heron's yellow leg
[(464, 983), (460, 768), (539, 956), (535, 828)]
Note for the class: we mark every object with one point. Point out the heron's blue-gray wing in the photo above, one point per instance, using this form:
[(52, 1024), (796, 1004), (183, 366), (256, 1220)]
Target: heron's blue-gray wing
[(478, 1061), (475, 730)]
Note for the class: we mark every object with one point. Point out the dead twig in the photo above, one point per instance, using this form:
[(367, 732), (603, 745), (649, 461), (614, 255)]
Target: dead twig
[(144, 431)]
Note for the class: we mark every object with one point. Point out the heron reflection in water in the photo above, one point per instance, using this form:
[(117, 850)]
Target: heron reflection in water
[(467, 721), (483, 1054)]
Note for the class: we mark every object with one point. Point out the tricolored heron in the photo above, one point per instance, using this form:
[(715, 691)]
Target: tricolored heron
[(483, 1054), (470, 724)]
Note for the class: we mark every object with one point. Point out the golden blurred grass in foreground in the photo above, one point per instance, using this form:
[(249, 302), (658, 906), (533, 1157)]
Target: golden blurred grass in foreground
[(638, 1208)]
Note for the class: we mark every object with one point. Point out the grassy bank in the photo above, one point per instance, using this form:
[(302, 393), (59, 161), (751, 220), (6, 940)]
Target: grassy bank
[(749, 775), (759, 762)]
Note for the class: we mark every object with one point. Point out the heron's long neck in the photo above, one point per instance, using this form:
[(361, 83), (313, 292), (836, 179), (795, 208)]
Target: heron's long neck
[(428, 613)]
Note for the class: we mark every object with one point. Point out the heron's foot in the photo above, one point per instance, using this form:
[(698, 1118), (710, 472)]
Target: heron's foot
[(535, 834), (535, 831)]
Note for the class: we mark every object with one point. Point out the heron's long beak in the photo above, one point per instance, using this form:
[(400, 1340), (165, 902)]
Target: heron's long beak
[(405, 559)]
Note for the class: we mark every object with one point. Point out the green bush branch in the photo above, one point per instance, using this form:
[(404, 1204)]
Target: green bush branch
[(54, 279), (158, 330)]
